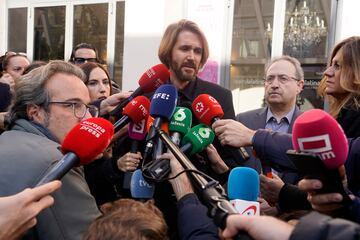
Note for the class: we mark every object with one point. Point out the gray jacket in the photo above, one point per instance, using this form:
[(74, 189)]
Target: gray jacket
[(26, 154), (256, 119)]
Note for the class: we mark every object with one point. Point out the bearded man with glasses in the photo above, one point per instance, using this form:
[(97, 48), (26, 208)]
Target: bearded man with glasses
[(50, 101)]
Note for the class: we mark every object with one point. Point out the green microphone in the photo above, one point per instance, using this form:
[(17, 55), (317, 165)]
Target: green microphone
[(180, 124), (197, 139)]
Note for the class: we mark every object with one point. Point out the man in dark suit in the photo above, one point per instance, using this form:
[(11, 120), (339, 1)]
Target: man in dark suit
[(284, 80)]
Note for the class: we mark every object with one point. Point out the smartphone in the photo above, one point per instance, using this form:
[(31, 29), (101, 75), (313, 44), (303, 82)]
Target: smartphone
[(311, 167)]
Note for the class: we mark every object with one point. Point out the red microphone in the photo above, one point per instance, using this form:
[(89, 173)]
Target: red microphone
[(148, 82), (320, 149), (81, 145), (315, 131), (136, 110), (208, 110)]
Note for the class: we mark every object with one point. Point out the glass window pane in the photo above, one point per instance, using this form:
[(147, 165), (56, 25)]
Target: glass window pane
[(305, 38), (17, 29), (119, 42), (49, 33), (251, 49), (90, 26)]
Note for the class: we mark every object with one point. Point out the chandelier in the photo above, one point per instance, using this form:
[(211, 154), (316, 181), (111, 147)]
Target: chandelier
[(304, 28)]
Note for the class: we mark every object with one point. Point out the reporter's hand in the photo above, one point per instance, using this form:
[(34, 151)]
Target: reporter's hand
[(18, 212), (129, 162), (181, 184), (270, 188), (216, 162), (258, 227), (323, 202), (108, 104), (266, 209), (8, 79), (233, 133)]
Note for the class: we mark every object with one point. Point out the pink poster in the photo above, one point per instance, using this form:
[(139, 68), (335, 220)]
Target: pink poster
[(210, 72)]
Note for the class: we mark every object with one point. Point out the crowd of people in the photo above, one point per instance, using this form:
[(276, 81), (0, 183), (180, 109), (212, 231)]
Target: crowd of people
[(40, 102)]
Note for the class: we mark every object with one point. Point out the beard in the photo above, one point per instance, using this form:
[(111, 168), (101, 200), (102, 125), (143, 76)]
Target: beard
[(181, 75)]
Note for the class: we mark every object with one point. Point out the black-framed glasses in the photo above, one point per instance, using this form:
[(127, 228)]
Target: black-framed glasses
[(282, 78), (79, 108), (84, 60)]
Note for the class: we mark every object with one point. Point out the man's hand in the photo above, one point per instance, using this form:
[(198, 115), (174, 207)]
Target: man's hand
[(323, 202), (181, 184), (18, 212), (233, 133), (129, 162), (216, 162), (108, 104), (270, 188)]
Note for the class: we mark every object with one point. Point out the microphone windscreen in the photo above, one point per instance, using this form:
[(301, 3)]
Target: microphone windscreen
[(153, 78), (164, 126), (163, 102), (139, 187), (199, 137), (317, 132), (206, 108), (137, 131), (181, 120), (243, 183), (137, 109), (88, 139)]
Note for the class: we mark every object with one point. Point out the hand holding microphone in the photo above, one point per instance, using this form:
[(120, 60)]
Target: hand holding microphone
[(81, 145), (109, 103), (321, 150), (208, 111), (149, 82)]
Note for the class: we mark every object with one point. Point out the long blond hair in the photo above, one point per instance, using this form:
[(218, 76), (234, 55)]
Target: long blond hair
[(349, 76)]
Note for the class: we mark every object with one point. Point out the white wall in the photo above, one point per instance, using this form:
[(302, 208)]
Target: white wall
[(144, 27), (348, 19), (3, 35)]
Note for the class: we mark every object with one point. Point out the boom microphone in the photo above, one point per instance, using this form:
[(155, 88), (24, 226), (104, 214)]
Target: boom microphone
[(136, 110), (195, 141), (207, 110), (243, 190), (148, 82), (81, 145)]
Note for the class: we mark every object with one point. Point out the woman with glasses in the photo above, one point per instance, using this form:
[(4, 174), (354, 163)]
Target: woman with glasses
[(105, 175), (341, 85)]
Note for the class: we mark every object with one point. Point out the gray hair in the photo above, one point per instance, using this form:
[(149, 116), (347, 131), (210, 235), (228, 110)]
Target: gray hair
[(299, 72), (30, 88)]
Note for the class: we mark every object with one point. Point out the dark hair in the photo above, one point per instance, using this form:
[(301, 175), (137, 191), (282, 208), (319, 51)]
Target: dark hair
[(87, 69), (169, 39), (82, 45)]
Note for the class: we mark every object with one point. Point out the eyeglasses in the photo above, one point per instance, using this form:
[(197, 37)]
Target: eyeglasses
[(282, 78), (79, 108), (84, 60)]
